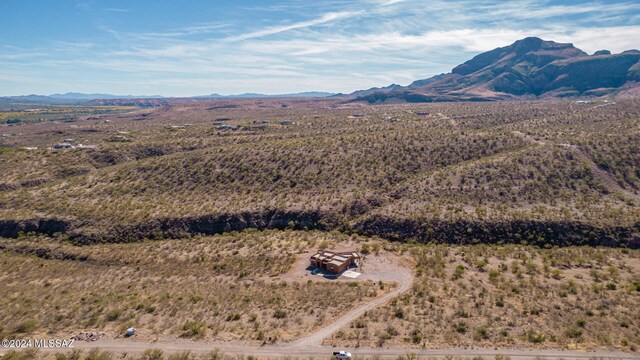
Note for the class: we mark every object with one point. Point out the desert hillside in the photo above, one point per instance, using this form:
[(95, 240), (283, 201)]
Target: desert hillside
[(544, 173)]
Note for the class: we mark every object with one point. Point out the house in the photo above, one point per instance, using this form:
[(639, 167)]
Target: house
[(332, 261), (62, 146)]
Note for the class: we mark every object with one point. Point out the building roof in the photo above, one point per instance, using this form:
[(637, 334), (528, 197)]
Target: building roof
[(334, 257), (336, 262)]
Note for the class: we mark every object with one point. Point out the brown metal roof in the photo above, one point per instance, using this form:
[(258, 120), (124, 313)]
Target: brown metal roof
[(333, 257)]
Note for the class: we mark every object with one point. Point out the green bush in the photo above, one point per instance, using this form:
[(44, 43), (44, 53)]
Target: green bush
[(535, 337), (113, 315), (399, 313), (460, 327), (194, 329), (182, 355), (458, 272), (574, 333), (96, 354), (26, 327), (482, 333), (153, 354)]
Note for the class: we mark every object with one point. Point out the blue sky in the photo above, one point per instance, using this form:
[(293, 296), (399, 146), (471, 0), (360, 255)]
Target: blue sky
[(196, 47)]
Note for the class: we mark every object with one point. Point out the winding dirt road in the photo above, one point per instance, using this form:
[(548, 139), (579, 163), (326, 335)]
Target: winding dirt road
[(311, 346), (404, 279)]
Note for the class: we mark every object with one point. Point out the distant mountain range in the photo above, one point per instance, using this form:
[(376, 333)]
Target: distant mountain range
[(308, 94), (81, 97), (528, 68)]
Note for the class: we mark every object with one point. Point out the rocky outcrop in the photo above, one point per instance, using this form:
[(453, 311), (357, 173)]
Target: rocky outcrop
[(530, 67)]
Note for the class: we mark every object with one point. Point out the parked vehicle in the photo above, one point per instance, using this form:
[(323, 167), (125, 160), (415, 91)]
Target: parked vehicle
[(341, 355)]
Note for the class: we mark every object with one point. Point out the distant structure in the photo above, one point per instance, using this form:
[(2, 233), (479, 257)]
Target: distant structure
[(332, 261), (62, 146), (67, 146), (227, 127), (286, 122)]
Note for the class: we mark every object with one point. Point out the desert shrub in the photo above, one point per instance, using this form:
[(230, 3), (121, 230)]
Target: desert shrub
[(457, 273), (152, 354), (365, 249), (96, 354), (182, 355), (535, 336), (194, 328), (574, 333), (416, 336), (27, 354), (213, 355), (482, 333), (399, 313), (460, 327), (26, 327)]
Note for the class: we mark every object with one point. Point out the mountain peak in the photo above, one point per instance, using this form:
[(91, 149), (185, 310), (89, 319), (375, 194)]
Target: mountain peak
[(528, 67), (530, 52), (527, 44)]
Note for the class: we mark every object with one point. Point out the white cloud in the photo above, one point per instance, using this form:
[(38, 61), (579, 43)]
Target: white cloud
[(324, 19), (117, 10), (345, 46)]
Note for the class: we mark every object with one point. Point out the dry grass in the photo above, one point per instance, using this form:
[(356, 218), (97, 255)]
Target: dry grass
[(574, 297), (482, 163), (222, 287), (96, 354)]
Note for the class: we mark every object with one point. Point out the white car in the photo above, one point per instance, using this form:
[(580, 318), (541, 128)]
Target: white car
[(341, 355)]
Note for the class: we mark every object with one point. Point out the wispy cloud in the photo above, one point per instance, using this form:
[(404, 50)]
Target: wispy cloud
[(117, 10), (324, 19), (333, 45)]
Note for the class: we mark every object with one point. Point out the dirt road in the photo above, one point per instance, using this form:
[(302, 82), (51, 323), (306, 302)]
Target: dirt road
[(404, 279), (605, 178), (311, 346), (293, 350)]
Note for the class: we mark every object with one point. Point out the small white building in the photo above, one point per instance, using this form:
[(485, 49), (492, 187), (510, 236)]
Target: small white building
[(62, 146)]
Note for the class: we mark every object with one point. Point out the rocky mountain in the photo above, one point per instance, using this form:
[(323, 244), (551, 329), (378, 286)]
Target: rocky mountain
[(373, 90), (529, 68)]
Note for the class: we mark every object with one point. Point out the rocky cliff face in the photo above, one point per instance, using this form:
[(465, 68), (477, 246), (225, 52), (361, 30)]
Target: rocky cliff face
[(530, 67)]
